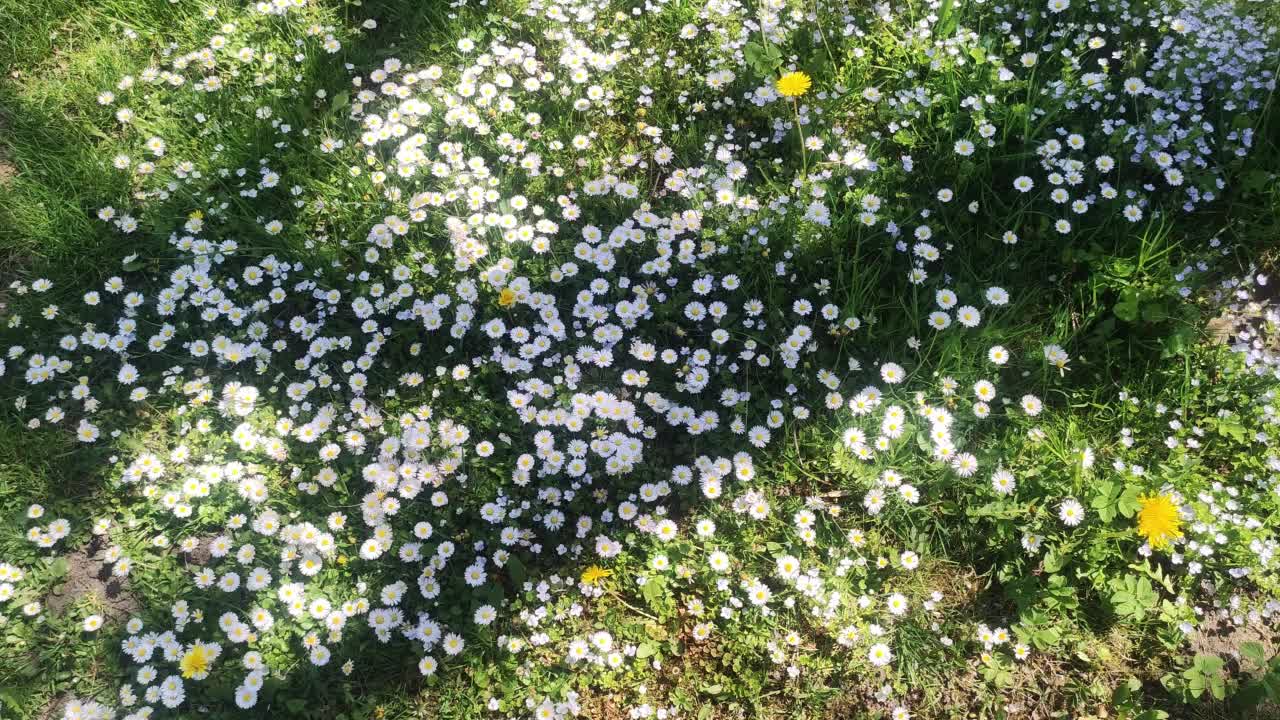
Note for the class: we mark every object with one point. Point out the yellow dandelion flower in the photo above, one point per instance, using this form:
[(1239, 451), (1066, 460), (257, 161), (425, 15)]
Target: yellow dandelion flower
[(595, 574), (1158, 519), (793, 84), (507, 297), (195, 662)]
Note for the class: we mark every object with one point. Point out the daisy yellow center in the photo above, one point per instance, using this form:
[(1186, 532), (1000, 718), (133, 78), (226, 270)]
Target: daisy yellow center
[(793, 84), (507, 297), (1158, 520)]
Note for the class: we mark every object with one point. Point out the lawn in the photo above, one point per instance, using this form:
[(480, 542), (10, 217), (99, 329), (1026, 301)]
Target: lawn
[(639, 359)]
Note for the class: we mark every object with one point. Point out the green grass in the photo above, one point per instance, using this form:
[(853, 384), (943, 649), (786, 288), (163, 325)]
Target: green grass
[(1106, 294)]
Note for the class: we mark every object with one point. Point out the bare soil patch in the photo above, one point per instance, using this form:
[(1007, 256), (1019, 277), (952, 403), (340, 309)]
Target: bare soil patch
[(7, 171), (1224, 638), (89, 574)]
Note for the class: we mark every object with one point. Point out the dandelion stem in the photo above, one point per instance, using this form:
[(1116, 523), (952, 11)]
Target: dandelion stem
[(631, 607), (804, 159)]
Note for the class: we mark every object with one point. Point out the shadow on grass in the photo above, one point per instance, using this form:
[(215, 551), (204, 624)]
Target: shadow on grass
[(56, 176)]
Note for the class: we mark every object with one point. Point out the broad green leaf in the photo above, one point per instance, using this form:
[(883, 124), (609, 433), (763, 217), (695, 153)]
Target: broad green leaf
[(1053, 562), (516, 569), (1254, 652), (1128, 502), (1128, 307), (763, 59), (1207, 664)]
